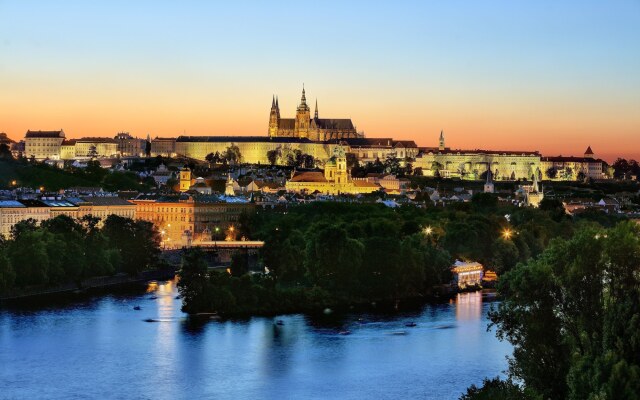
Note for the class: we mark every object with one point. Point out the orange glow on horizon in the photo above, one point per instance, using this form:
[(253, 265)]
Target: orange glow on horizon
[(495, 125)]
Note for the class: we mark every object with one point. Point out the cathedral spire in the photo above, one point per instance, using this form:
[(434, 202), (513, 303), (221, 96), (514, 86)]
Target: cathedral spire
[(303, 100), (273, 101), (316, 113), (441, 142)]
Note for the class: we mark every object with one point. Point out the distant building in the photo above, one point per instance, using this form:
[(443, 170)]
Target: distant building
[(172, 215), (184, 218), (467, 273), (303, 126), (129, 146), (200, 186), (472, 164), (162, 175), (574, 168), (46, 207), (95, 147), (165, 147), (335, 179), (372, 149), (43, 144), (68, 149)]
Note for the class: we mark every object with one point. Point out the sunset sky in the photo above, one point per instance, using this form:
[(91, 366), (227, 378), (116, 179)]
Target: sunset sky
[(537, 75)]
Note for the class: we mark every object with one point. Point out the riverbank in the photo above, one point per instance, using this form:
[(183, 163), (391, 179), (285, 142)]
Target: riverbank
[(87, 286)]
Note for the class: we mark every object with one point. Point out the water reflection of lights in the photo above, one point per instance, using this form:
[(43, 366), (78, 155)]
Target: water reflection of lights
[(166, 329), (152, 286), (469, 306)]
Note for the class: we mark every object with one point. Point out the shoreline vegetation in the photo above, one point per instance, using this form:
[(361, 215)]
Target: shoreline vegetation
[(327, 255), (66, 253), (572, 315)]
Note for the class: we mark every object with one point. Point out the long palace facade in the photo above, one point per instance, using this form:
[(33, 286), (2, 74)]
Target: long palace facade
[(319, 137)]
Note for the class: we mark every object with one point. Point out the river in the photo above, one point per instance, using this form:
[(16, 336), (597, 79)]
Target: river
[(101, 348)]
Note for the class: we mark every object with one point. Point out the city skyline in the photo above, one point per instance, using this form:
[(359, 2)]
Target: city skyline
[(548, 77)]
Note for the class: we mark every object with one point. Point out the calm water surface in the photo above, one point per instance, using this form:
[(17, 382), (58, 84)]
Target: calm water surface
[(102, 348)]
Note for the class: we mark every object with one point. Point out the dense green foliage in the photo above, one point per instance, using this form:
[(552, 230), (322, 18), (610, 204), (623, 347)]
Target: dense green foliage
[(36, 175), (346, 253), (495, 389), (63, 250), (573, 316)]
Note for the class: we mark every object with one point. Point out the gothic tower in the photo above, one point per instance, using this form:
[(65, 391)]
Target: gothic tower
[(303, 118), (441, 143), (274, 118)]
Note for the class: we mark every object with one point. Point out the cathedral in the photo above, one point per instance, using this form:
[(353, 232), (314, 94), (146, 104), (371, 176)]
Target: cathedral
[(303, 126)]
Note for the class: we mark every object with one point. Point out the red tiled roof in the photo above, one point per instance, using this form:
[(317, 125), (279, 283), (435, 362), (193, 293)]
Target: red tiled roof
[(308, 176)]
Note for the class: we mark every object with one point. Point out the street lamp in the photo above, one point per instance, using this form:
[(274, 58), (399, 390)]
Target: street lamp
[(428, 230), (507, 233)]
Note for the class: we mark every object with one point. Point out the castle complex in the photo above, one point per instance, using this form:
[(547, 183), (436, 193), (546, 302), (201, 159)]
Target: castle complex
[(511, 165), (319, 138), (303, 126)]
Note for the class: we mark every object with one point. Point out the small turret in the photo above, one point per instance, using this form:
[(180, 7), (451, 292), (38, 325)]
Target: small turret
[(589, 153), (315, 115)]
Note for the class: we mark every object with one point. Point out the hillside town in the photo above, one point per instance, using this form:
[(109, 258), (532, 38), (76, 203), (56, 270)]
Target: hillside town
[(191, 187)]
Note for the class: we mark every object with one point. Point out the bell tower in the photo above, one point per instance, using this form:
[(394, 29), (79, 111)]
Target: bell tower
[(303, 118), (441, 141), (185, 179)]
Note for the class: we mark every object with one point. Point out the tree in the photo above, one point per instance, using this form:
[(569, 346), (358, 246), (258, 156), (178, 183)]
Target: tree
[(194, 283), (307, 161), (240, 263), (232, 154), (554, 207), (495, 389), (272, 156), (620, 168), (5, 152), (392, 164), (484, 201), (551, 173), (137, 242), (28, 250), (568, 172), (24, 226), (505, 256), (333, 259), (7, 274), (573, 316), (213, 158)]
